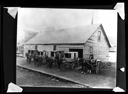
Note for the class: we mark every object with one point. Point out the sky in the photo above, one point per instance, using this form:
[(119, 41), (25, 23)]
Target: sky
[(42, 19)]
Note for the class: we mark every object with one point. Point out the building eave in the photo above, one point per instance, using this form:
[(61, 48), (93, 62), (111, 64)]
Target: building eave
[(108, 42), (58, 44)]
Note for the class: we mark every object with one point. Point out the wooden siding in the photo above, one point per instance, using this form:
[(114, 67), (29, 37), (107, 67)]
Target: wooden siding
[(67, 47), (45, 47), (100, 48), (28, 47), (39, 47)]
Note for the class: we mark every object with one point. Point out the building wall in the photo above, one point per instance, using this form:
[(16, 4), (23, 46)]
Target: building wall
[(100, 48), (28, 47), (45, 47), (39, 48), (67, 47)]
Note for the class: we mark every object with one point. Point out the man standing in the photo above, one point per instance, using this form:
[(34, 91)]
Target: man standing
[(58, 59), (61, 56), (36, 57), (82, 63), (50, 62)]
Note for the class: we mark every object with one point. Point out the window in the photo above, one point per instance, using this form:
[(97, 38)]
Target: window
[(38, 53), (75, 56), (54, 47), (67, 55), (52, 54), (99, 35), (41, 53), (32, 51), (36, 47), (29, 51)]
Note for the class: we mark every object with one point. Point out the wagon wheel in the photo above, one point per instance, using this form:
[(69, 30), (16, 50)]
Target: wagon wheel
[(68, 65), (65, 65), (72, 66)]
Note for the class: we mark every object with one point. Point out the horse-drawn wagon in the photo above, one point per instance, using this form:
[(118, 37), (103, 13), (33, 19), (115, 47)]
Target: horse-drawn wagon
[(67, 59)]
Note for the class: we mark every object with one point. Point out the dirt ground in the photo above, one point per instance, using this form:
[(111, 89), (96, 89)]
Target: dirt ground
[(31, 78), (106, 77)]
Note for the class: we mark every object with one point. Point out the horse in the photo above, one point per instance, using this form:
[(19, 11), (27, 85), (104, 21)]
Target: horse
[(50, 61), (95, 66)]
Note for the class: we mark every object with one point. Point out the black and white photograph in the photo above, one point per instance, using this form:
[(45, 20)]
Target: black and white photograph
[(66, 48)]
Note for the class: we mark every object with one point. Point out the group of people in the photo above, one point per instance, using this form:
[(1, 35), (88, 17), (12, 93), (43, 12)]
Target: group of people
[(90, 65), (87, 66), (43, 58)]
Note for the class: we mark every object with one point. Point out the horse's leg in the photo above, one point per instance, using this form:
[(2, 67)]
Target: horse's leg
[(29, 60), (37, 61), (50, 63)]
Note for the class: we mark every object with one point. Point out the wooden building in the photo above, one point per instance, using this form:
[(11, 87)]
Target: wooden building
[(85, 40)]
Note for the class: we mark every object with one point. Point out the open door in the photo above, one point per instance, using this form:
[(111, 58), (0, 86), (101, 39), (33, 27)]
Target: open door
[(80, 52)]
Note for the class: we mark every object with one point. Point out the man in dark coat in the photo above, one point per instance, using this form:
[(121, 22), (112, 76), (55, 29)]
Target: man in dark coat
[(26, 54), (61, 56), (58, 60), (50, 62), (81, 62), (36, 57), (91, 62)]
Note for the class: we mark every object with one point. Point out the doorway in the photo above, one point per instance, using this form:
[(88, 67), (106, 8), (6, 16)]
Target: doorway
[(80, 52)]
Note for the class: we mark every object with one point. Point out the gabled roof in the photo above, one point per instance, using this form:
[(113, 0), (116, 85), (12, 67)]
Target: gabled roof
[(29, 35), (105, 35), (69, 35)]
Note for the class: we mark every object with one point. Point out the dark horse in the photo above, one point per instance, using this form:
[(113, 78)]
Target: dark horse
[(28, 56), (88, 65), (91, 66), (85, 64), (50, 61), (59, 58)]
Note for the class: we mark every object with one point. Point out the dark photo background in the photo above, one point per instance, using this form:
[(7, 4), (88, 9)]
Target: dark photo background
[(9, 34)]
